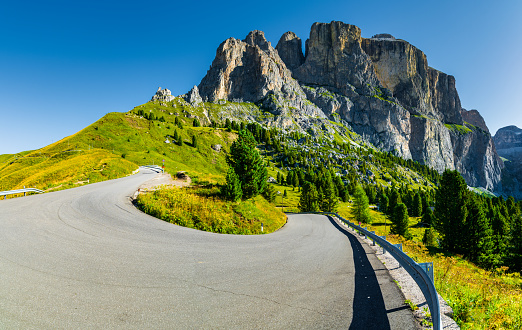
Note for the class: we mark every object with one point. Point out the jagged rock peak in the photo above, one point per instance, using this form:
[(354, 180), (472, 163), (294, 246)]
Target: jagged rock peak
[(385, 36), (474, 118), (335, 58), (290, 49), (162, 95), (193, 96), (257, 38)]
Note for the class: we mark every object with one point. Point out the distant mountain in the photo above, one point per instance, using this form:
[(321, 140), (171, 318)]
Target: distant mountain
[(508, 141), (381, 88)]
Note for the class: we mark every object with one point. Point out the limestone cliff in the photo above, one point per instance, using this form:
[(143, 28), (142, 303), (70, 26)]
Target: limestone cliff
[(508, 141), (381, 87)]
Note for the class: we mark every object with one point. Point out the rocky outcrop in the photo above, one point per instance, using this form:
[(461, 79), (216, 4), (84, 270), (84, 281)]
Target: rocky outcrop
[(163, 95), (334, 58), (381, 87), (252, 71), (290, 50), (474, 118), (193, 96)]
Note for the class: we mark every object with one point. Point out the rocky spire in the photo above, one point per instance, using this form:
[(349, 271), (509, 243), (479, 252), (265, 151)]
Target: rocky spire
[(163, 95), (290, 50)]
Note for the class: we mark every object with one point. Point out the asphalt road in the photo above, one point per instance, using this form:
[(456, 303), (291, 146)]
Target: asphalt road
[(86, 258)]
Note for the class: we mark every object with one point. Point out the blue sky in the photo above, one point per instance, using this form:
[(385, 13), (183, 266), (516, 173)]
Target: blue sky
[(65, 64)]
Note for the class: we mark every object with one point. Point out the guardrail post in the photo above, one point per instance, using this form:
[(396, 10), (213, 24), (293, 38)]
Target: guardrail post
[(398, 246), (25, 192), (428, 268), (383, 249), (373, 232)]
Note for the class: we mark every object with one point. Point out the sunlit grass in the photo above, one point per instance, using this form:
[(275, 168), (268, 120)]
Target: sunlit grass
[(203, 209), (480, 299)]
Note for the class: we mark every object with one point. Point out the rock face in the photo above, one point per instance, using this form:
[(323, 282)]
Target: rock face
[(508, 141), (380, 87), (163, 95), (193, 96), (290, 49), (474, 118)]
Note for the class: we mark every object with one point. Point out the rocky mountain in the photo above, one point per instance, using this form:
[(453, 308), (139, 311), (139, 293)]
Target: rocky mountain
[(508, 141), (380, 88)]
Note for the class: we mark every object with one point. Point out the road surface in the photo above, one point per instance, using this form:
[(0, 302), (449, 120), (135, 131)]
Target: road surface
[(86, 258)]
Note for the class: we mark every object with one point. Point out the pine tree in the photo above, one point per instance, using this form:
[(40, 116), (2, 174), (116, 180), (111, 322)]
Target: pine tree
[(232, 189), (180, 140), (309, 197), (270, 193), (395, 198), (429, 237), (360, 207), (329, 194), (515, 259), (451, 210), (248, 164), (478, 243), (400, 220), (416, 206), (383, 203), (194, 141), (196, 122), (427, 217)]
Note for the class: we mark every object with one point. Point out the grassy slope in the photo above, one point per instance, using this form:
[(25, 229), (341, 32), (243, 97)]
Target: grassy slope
[(112, 147), (480, 299)]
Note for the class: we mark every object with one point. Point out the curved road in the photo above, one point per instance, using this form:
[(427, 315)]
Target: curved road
[(86, 258)]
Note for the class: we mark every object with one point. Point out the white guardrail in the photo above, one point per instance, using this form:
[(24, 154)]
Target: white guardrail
[(422, 274), (20, 191)]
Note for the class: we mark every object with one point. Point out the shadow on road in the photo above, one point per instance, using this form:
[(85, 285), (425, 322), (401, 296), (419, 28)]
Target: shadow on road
[(369, 311)]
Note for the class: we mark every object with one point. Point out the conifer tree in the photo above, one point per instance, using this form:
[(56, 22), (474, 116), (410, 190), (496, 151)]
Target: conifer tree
[(329, 194), (194, 141), (248, 165), (180, 141), (400, 221), (429, 237), (308, 202), (383, 203), (477, 236), (451, 210), (427, 217), (360, 206), (395, 198), (416, 206), (196, 122), (232, 189), (515, 258)]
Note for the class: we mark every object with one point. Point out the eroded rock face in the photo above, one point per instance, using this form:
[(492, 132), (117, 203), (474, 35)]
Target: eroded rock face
[(381, 87), (193, 96), (290, 50), (474, 118), (163, 95), (334, 58)]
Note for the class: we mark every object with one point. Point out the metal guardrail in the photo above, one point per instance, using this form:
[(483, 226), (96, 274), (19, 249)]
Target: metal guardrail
[(20, 191), (422, 274), (153, 167)]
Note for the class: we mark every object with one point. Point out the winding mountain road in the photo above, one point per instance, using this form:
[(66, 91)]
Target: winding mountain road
[(86, 258)]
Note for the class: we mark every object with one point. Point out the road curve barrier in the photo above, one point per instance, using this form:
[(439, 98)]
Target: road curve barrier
[(20, 191), (422, 274)]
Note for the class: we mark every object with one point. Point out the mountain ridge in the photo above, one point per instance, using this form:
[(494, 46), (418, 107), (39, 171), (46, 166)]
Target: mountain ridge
[(381, 88)]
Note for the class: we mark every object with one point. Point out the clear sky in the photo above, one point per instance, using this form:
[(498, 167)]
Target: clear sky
[(65, 64)]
